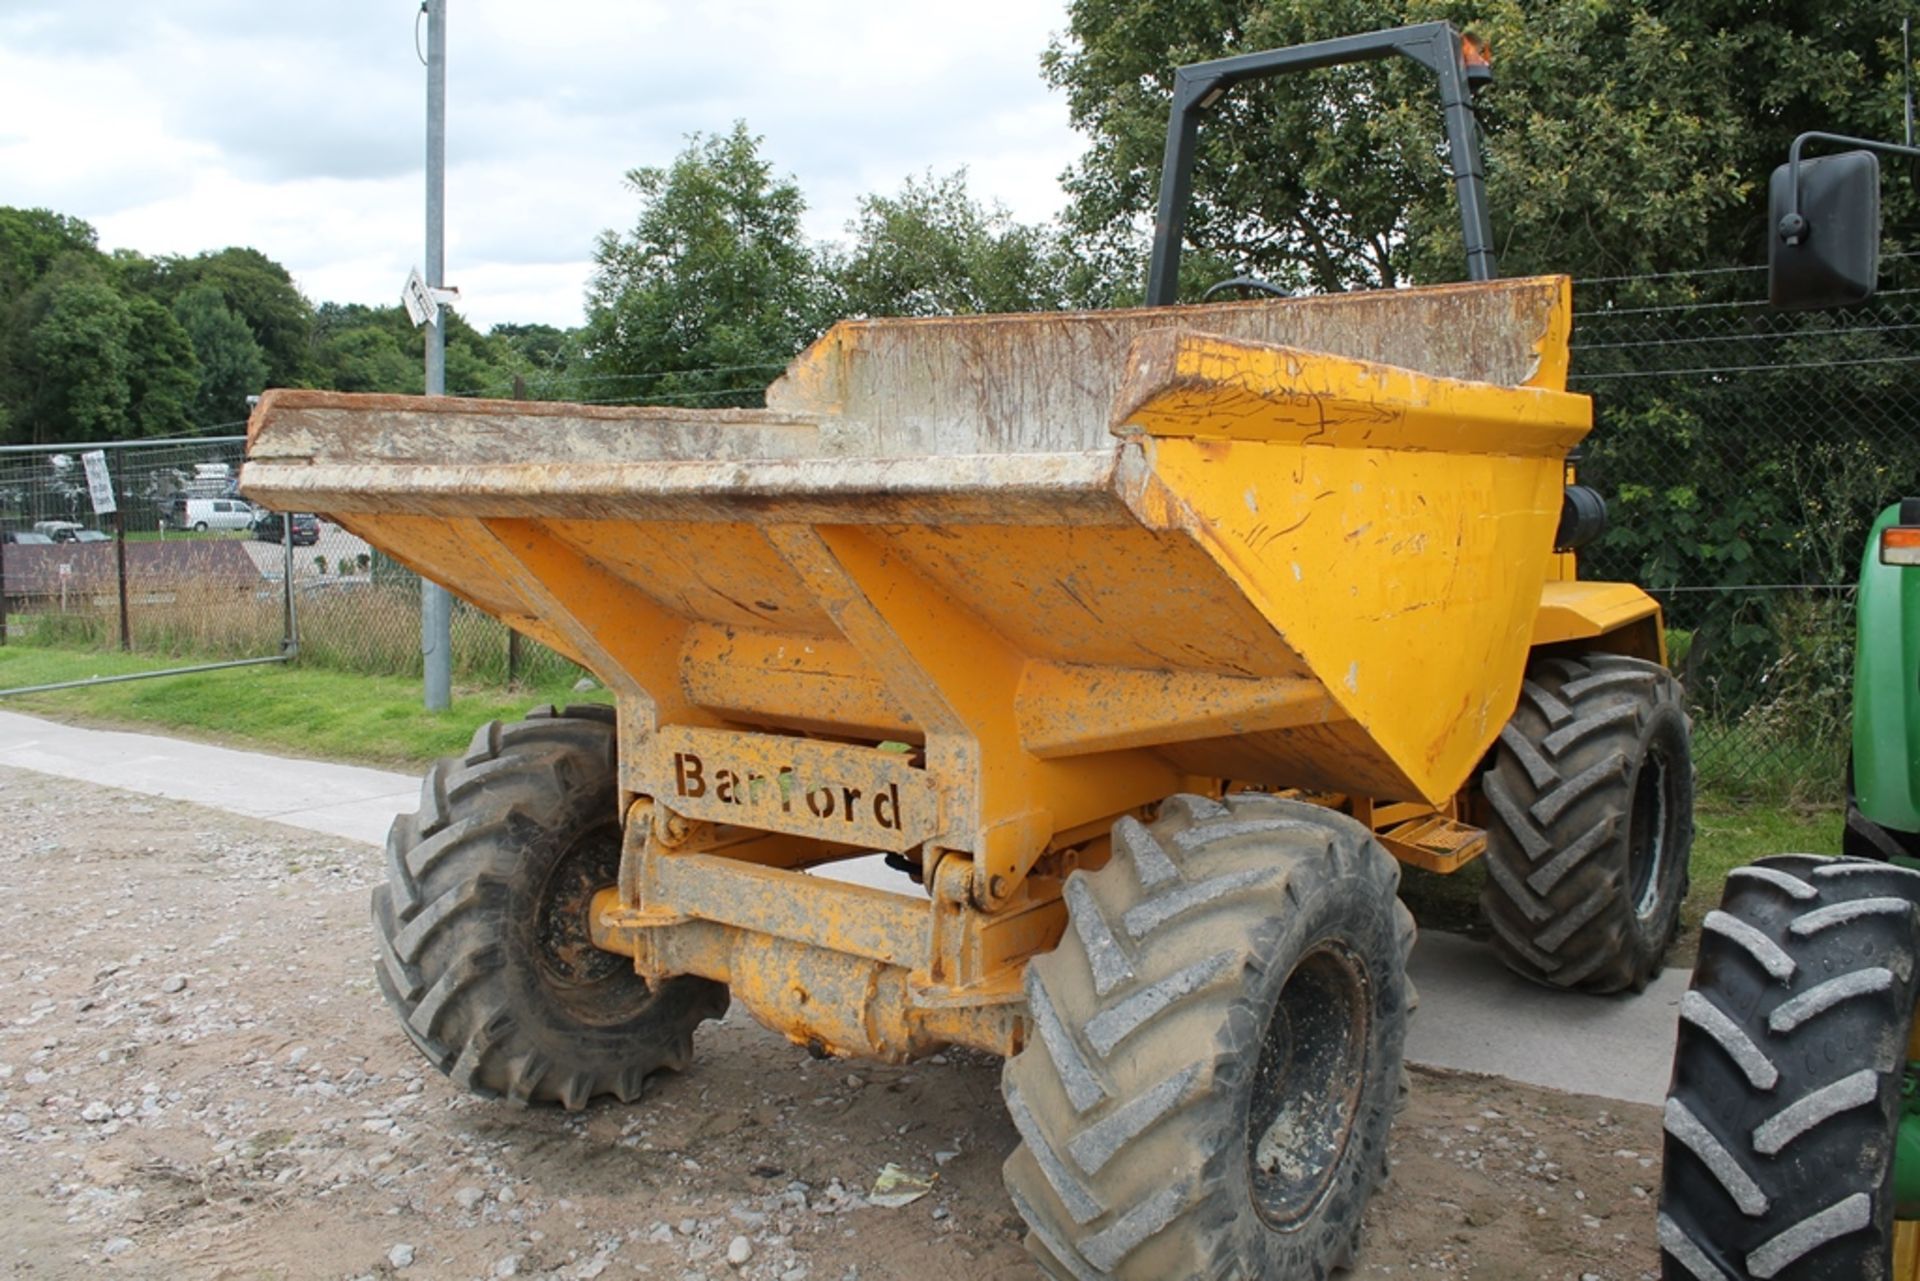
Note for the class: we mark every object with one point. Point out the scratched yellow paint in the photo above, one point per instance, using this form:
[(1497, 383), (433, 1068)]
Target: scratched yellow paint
[(1571, 610), (1389, 525)]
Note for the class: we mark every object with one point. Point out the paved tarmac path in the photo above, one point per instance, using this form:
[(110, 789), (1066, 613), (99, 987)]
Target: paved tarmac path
[(1474, 1016)]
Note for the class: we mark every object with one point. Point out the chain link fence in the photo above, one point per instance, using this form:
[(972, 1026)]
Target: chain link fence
[(207, 578), (1744, 453), (201, 596)]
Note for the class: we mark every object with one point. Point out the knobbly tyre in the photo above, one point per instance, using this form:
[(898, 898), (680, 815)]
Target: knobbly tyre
[(1099, 625), (1793, 1119)]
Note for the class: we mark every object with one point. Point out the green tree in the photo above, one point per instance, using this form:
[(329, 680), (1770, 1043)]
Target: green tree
[(162, 373), (135, 273), (364, 349), (369, 358), (1621, 136), (360, 348), (935, 250), (232, 366), (77, 357), (546, 350), (713, 288), (260, 292), (34, 245), (31, 241)]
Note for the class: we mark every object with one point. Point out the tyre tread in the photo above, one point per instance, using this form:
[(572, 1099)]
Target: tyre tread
[(1778, 1149), (1558, 799), (1160, 949), (441, 920)]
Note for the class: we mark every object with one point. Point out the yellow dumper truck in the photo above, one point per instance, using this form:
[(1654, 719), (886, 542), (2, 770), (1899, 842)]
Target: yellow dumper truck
[(1142, 642)]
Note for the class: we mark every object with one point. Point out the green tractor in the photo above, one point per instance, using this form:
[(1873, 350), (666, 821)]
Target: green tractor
[(1883, 777), (1793, 1119)]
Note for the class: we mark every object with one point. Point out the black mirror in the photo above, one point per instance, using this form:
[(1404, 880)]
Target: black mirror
[(1825, 245)]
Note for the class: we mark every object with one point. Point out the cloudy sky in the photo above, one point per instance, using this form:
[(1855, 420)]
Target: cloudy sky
[(175, 126)]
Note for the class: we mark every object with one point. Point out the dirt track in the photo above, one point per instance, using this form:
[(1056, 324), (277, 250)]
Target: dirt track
[(199, 1079)]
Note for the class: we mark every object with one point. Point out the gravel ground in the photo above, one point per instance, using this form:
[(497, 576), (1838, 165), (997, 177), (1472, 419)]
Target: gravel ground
[(198, 1078)]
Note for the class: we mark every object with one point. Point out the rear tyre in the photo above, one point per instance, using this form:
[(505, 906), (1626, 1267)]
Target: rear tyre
[(1787, 1075), (483, 930), (1590, 823), (1216, 1048)]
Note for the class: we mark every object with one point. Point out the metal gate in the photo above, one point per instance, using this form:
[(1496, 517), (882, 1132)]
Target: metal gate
[(180, 566)]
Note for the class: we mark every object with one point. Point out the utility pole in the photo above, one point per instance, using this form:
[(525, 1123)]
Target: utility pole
[(436, 606)]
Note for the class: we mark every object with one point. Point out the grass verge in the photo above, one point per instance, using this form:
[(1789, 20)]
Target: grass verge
[(291, 710)]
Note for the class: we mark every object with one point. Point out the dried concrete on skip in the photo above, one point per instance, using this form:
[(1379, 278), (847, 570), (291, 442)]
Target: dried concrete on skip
[(1474, 1015)]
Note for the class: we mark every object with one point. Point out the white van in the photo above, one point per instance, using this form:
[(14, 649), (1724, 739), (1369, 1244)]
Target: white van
[(210, 513)]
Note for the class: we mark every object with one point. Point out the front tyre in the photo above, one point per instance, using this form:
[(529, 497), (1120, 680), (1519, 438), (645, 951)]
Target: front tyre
[(1590, 823), (1787, 1076), (1216, 1046), (485, 952)]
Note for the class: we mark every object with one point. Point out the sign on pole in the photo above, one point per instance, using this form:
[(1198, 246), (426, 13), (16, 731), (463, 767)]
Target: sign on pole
[(422, 301), (99, 484), (421, 308)]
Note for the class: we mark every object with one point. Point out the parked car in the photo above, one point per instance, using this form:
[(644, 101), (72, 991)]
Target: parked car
[(210, 513), (25, 538), (268, 528), (60, 531), (91, 536)]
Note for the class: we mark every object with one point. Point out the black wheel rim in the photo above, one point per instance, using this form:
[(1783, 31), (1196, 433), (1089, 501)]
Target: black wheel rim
[(1648, 833), (1307, 1085), (583, 978)]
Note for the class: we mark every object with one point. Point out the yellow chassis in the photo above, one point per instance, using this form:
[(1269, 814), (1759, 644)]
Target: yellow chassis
[(853, 971)]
